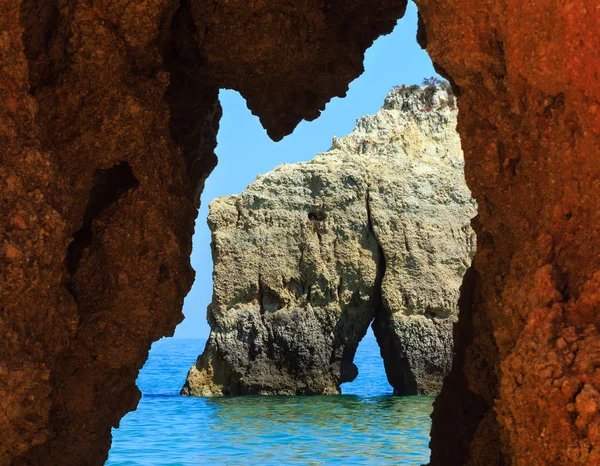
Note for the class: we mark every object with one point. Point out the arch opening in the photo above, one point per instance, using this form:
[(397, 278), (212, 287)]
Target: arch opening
[(316, 217), (83, 88), (371, 379)]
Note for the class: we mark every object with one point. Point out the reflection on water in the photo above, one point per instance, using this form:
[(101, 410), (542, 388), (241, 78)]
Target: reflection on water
[(346, 429), (361, 414), (322, 429)]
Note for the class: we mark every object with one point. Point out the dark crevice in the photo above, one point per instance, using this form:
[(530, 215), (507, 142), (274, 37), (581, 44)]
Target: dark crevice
[(421, 32), (406, 245), (507, 162), (239, 215), (381, 264), (451, 441), (395, 360), (261, 296), (320, 238), (109, 186), (317, 216), (163, 274), (40, 19), (195, 108), (501, 156), (266, 324), (301, 260)]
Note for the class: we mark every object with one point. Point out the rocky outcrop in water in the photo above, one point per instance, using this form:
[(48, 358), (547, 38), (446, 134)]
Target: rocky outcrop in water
[(374, 230)]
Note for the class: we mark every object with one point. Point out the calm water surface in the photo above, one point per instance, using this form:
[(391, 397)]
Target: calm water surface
[(365, 425)]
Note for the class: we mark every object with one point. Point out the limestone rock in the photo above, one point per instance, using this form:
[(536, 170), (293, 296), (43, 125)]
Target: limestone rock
[(375, 229)]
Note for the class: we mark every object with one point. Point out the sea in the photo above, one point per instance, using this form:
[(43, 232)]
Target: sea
[(364, 425)]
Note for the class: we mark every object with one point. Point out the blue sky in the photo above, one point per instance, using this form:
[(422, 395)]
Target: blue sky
[(245, 151)]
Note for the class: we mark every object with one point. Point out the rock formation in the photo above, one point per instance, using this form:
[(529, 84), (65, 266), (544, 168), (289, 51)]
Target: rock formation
[(90, 88), (525, 385), (311, 253), (108, 119)]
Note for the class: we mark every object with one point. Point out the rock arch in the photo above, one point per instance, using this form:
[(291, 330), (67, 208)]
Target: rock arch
[(87, 86), (376, 230)]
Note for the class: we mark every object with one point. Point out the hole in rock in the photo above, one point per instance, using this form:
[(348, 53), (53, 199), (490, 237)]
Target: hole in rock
[(207, 430), (317, 216), (371, 379)]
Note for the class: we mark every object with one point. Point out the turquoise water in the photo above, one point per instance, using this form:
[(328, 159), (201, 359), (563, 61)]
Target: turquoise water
[(365, 425)]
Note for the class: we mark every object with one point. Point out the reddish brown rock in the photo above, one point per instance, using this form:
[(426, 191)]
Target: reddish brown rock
[(288, 59), (108, 117), (529, 349), (108, 114), (97, 217)]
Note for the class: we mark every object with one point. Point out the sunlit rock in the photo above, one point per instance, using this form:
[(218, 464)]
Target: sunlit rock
[(375, 229)]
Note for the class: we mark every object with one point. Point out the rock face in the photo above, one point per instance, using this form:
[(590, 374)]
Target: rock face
[(377, 228), (108, 118), (525, 385), (88, 85)]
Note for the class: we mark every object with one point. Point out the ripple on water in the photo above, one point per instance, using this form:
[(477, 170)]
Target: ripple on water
[(354, 428)]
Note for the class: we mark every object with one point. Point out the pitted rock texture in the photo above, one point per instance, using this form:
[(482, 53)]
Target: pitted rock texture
[(82, 88), (97, 217), (311, 253), (524, 388), (288, 59), (108, 121)]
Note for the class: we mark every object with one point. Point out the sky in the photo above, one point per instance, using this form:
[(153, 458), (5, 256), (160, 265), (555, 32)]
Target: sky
[(244, 150)]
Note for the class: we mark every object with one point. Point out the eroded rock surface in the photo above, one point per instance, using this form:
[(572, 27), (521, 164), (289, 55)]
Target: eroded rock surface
[(524, 388), (311, 253), (82, 89), (108, 120)]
